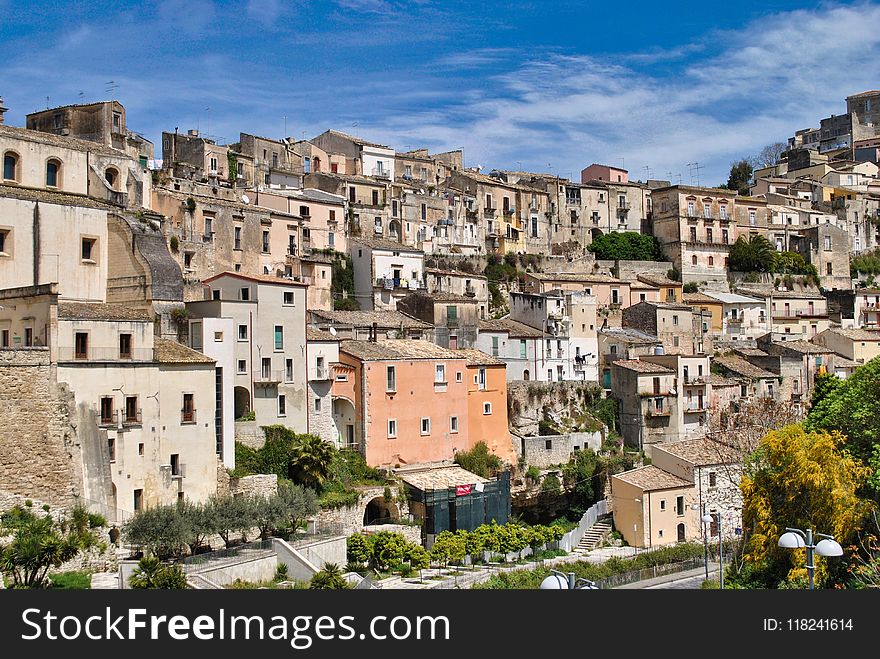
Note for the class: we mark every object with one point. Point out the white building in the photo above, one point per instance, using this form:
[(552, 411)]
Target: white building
[(741, 316), (384, 271)]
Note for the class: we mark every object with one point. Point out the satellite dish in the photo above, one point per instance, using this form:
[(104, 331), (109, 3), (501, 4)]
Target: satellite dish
[(332, 331), (245, 199)]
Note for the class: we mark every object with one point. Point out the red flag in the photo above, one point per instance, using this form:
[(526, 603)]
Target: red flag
[(461, 490)]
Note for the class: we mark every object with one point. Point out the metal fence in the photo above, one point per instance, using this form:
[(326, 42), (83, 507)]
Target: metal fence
[(216, 558), (649, 573)]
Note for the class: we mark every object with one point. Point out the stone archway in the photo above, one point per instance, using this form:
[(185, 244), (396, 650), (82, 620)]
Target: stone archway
[(595, 233), (394, 231), (380, 511), (345, 421), (242, 402)]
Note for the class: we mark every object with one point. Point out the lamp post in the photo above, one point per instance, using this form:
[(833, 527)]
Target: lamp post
[(708, 519), (797, 539), (705, 540), (566, 581)]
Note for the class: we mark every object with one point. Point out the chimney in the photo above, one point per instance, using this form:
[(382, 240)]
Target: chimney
[(2, 110)]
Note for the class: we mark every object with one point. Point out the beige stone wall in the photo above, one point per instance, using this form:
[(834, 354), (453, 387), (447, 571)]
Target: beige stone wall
[(41, 459), (350, 519)]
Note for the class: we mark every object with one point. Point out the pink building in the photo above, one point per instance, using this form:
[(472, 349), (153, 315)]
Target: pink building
[(597, 172)]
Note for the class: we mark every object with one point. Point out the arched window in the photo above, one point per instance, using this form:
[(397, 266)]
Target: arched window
[(316, 164), (111, 175), (10, 166), (694, 260), (711, 261), (53, 173)]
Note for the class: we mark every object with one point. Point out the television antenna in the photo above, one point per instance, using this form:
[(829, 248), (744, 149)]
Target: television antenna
[(110, 87), (695, 168)]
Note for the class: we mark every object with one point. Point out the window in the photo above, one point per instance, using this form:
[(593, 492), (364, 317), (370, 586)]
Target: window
[(522, 348), (140, 448), (481, 378), (487, 408), (693, 231), (4, 338), (288, 370), (426, 425), (722, 211), (827, 243), (10, 166), (188, 412), (675, 319), (237, 243), (675, 341), (242, 332), (138, 500), (713, 480), (89, 253), (494, 346), (453, 424), (5, 242), (679, 505), (711, 261), (244, 293), (390, 379), (392, 428), (187, 260), (125, 346), (53, 169), (106, 410), (828, 269), (424, 212), (752, 218), (29, 337), (725, 236), (279, 337), (691, 210), (317, 405), (111, 448), (662, 504), (459, 377), (81, 345), (709, 235), (242, 366), (215, 294), (440, 374), (282, 405), (218, 337), (265, 241)]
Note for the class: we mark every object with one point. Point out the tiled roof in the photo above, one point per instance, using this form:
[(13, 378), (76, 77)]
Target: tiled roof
[(842, 362), (658, 280), (651, 478), (804, 347), (382, 243), (313, 334), (447, 296), (575, 276), (100, 311), (721, 381), (642, 367), (673, 306), (629, 335), (751, 352), (59, 198), (742, 367), (857, 334), (397, 349), (513, 328), (699, 298), (479, 358), (701, 451), (784, 295), (61, 141), (356, 140), (383, 319), (455, 273), (641, 286), (265, 279), (732, 298), (438, 478), (167, 351)]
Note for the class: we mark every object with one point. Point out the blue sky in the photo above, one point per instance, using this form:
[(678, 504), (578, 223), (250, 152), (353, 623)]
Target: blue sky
[(519, 85)]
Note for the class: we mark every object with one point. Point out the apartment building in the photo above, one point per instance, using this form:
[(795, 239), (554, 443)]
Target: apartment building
[(649, 402), (672, 323), (623, 343), (548, 313), (458, 282), (487, 405), (365, 325), (385, 272), (453, 316), (362, 157), (867, 308), (519, 346), (858, 345)]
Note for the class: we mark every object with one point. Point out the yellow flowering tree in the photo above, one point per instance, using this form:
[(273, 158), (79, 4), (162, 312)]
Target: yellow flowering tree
[(804, 480)]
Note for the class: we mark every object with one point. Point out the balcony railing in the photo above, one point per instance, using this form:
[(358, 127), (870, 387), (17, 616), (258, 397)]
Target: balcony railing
[(390, 283), (509, 211), (469, 291), (623, 206), (102, 354), (694, 409), (320, 373), (268, 378), (380, 172), (652, 412), (452, 323), (188, 415), (130, 417)]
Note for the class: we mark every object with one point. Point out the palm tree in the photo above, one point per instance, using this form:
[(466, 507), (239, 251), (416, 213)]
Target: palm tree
[(310, 461), (329, 578), (754, 254)]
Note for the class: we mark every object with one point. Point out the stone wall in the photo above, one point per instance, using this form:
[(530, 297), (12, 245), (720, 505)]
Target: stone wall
[(350, 519), (40, 459), (527, 401), (725, 496), (534, 450), (250, 434), (321, 422), (264, 485)]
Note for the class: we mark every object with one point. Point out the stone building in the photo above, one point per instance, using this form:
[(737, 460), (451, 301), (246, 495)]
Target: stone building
[(518, 345), (648, 396), (453, 316), (694, 391), (755, 382), (672, 323), (365, 325), (193, 156), (866, 312), (323, 367), (470, 284), (362, 158), (623, 343), (276, 164), (271, 361), (384, 272), (827, 247)]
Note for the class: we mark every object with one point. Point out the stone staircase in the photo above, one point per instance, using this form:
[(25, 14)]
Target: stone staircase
[(594, 535)]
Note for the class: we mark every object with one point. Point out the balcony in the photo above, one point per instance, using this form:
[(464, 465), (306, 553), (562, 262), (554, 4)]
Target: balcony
[(735, 321), (694, 409), (267, 378), (509, 211), (488, 210), (208, 237), (319, 373), (130, 417), (380, 172), (653, 413), (389, 283), (469, 291), (188, 416), (452, 323)]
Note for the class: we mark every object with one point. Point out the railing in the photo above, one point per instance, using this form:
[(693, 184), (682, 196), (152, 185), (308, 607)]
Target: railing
[(488, 210), (649, 573), (623, 206), (391, 283), (452, 323), (217, 558), (99, 354), (320, 373), (509, 211), (127, 419), (571, 539), (695, 409), (269, 377), (657, 413), (380, 172), (188, 416), (469, 291)]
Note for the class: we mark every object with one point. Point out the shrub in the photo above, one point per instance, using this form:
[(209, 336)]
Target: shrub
[(175, 243), (151, 573), (479, 460)]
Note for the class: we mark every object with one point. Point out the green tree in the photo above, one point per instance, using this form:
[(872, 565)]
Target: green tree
[(153, 574), (39, 543), (479, 460), (297, 503), (754, 254), (417, 557), (358, 549), (803, 480), (387, 549), (329, 578), (627, 245), (740, 176), (551, 484), (269, 513), (578, 478), (448, 547), (824, 385), (310, 461), (231, 515), (160, 530), (198, 522)]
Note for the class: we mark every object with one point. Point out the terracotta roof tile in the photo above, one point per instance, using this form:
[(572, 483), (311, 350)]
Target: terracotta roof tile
[(652, 478), (101, 311)]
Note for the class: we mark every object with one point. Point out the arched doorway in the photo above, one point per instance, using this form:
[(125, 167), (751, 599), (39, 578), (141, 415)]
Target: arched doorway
[(242, 402), (681, 533), (344, 420), (394, 230), (526, 375), (595, 233), (380, 511)]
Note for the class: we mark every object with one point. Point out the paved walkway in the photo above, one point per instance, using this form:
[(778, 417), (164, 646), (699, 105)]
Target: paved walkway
[(105, 580), (662, 581)]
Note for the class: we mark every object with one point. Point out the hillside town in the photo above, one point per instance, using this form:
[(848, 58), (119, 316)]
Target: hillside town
[(175, 316)]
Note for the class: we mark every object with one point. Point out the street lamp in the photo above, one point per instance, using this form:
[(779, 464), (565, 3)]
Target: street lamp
[(566, 581), (708, 519), (797, 539), (705, 541)]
